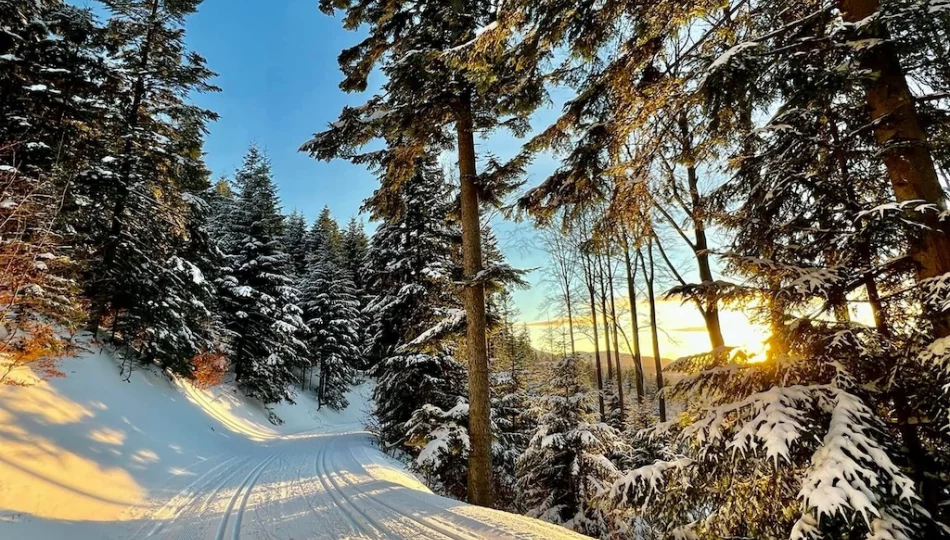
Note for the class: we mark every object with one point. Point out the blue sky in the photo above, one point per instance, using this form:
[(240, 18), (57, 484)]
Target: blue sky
[(278, 71), (279, 75)]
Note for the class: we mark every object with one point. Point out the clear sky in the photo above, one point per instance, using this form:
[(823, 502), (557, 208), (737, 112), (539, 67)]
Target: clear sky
[(277, 65), (279, 76)]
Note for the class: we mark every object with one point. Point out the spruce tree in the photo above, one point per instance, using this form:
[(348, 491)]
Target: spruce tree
[(53, 83), (353, 249), (566, 462), (409, 262), (258, 295), (156, 133), (295, 243), (331, 312), (408, 275)]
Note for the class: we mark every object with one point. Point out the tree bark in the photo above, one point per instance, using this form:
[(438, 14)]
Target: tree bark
[(701, 244), (602, 282), (634, 321), (651, 297), (570, 314), (613, 317), (591, 289), (479, 423), (905, 153)]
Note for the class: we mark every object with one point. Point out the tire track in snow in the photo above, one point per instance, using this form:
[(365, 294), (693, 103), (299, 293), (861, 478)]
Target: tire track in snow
[(248, 484)]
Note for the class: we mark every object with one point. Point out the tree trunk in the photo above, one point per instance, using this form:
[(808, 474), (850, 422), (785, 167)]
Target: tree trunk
[(570, 314), (591, 289), (910, 166), (651, 297), (479, 423), (701, 245), (601, 279), (632, 297), (613, 316)]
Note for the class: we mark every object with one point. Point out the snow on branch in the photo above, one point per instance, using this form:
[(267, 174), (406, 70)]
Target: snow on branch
[(646, 480)]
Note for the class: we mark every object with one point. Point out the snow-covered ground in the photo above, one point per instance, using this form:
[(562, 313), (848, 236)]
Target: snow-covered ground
[(90, 456)]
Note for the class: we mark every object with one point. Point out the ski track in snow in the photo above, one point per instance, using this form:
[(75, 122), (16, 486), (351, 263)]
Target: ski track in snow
[(206, 465)]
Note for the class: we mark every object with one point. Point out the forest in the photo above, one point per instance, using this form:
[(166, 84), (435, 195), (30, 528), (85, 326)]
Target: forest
[(788, 160)]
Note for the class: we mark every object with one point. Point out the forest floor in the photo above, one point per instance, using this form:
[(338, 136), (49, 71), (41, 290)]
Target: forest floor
[(91, 456)]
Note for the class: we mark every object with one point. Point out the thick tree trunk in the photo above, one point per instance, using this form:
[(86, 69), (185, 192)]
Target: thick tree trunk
[(910, 166), (634, 321), (479, 423), (651, 297)]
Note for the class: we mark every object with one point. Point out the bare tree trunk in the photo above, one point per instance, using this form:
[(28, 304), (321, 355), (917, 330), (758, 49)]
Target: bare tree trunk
[(701, 245), (602, 282), (905, 152), (590, 278), (570, 316), (650, 277), (479, 463), (632, 297), (614, 325)]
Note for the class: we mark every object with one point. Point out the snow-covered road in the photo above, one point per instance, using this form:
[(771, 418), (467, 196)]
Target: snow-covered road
[(324, 486), (90, 457)]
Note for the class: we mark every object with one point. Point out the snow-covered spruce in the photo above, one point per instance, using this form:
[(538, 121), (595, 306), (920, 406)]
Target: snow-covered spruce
[(261, 312), (566, 465)]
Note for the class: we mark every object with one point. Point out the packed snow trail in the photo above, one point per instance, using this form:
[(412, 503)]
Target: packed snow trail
[(92, 457)]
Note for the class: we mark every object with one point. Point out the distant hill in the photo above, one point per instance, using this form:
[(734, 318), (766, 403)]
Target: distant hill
[(626, 362)]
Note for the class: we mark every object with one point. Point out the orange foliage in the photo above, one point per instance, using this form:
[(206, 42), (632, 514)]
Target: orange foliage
[(39, 347), (209, 368)]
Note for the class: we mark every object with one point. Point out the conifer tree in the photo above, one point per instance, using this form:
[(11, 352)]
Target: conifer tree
[(156, 134), (331, 312), (512, 415), (566, 465), (325, 236), (446, 78), (295, 243), (52, 82), (408, 272), (258, 296), (354, 246), (409, 262)]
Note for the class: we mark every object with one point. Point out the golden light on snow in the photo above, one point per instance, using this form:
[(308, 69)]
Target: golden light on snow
[(226, 409), (50, 482), (108, 436)]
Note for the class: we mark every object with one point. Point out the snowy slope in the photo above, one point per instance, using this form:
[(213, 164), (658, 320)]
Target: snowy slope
[(90, 456)]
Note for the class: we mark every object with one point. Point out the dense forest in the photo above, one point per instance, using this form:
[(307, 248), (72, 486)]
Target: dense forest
[(787, 159)]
